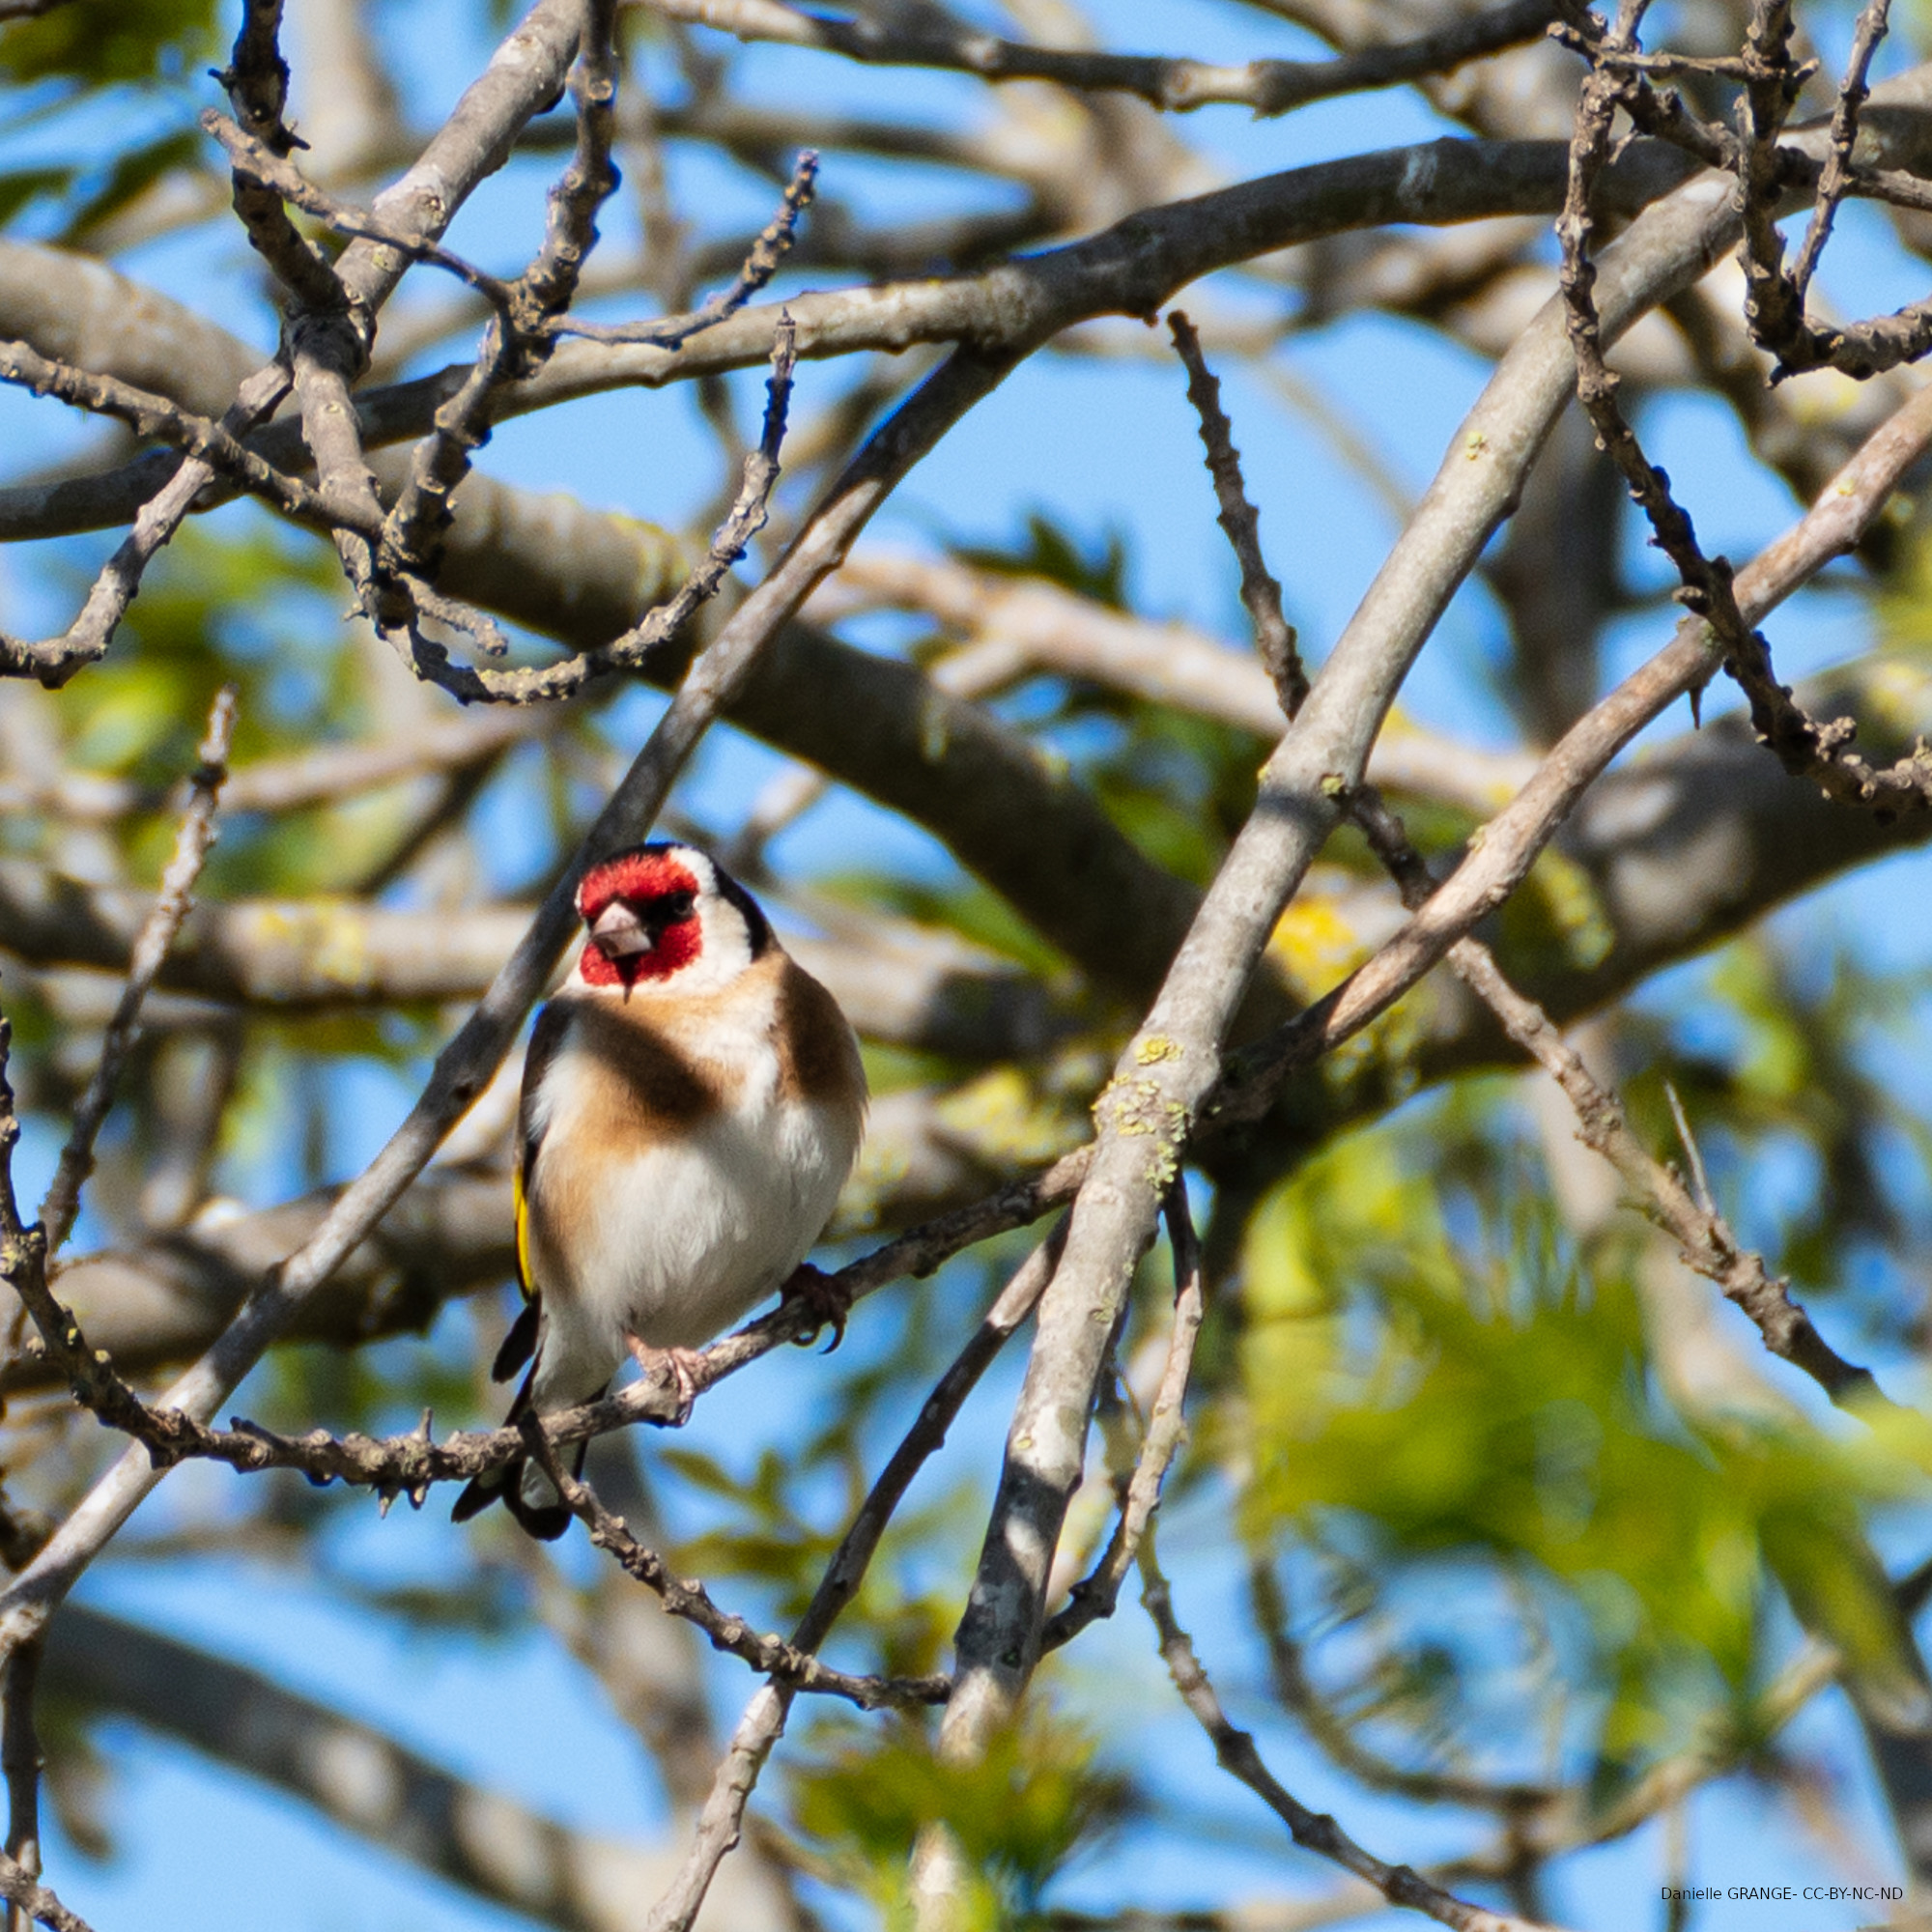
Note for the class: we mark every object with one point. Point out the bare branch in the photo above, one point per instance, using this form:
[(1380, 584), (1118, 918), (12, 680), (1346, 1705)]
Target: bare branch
[(764, 260), (21, 1760), (1501, 858), (157, 933), (1261, 594), (1163, 1081), (1179, 85), (1129, 268), (513, 344), (86, 639), (1804, 748), (212, 444), (1837, 175), (257, 76), (1706, 1243), (661, 627), (721, 1821), (20, 1890), (257, 163), (786, 1663)]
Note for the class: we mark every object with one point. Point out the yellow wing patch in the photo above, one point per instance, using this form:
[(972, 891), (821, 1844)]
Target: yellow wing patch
[(522, 1210)]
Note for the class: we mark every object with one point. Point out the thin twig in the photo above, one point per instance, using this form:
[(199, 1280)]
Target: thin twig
[(514, 345), (662, 626), (192, 842), (1261, 594), (1688, 1140), (26, 1252), (1837, 174), (257, 76), (1172, 83), (1501, 857), (764, 260), (786, 1663), (1706, 1243), (21, 1761), (1815, 752), (86, 639), (22, 1892), (253, 160), (1235, 1751), (149, 414)]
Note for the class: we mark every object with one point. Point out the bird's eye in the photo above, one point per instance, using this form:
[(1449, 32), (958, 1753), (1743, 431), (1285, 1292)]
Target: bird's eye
[(678, 905)]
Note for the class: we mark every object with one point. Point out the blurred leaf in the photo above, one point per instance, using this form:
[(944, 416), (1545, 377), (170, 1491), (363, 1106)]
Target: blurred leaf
[(27, 184), (1096, 569), (1037, 1797), (103, 41), (131, 175), (1452, 1404)]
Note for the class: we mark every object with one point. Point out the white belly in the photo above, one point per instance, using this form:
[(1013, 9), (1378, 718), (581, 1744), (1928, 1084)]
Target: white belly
[(681, 1241)]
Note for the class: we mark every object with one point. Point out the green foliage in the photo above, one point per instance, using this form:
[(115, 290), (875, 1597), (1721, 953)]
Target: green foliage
[(131, 175), (26, 185), (1430, 1402), (1037, 1797), (99, 42), (1090, 569), (1178, 786)]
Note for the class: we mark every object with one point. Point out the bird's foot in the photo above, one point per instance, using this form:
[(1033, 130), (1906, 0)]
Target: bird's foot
[(681, 1365), (812, 1292)]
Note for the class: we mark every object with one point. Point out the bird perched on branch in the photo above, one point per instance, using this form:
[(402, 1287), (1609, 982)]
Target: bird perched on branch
[(692, 1104)]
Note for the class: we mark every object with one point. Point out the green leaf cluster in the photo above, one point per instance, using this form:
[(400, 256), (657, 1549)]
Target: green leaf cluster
[(1037, 1797), (102, 41), (1426, 1401)]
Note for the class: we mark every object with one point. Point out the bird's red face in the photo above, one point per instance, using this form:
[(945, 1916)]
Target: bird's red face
[(642, 911)]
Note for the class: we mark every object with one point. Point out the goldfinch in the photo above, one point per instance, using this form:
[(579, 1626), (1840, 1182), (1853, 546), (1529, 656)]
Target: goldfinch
[(692, 1104)]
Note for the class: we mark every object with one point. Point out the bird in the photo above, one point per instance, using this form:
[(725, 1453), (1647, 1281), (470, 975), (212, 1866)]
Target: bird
[(693, 1102)]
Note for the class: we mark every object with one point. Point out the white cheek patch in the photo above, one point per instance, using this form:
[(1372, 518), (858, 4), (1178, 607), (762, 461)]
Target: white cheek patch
[(723, 952)]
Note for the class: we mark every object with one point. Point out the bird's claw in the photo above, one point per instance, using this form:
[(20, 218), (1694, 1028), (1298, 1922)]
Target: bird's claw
[(812, 1292), (681, 1365)]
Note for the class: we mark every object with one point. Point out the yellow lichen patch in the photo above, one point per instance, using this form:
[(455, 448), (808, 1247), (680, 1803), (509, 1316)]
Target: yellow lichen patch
[(1156, 1048), (1137, 1108)]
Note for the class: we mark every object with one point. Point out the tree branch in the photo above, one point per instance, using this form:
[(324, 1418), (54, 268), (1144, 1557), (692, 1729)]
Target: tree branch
[(1178, 85)]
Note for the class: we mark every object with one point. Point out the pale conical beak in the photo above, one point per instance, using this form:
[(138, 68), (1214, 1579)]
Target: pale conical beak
[(619, 932)]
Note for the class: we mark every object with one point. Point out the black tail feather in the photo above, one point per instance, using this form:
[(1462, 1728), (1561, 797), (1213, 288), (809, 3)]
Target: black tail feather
[(546, 1522), (520, 1345)]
